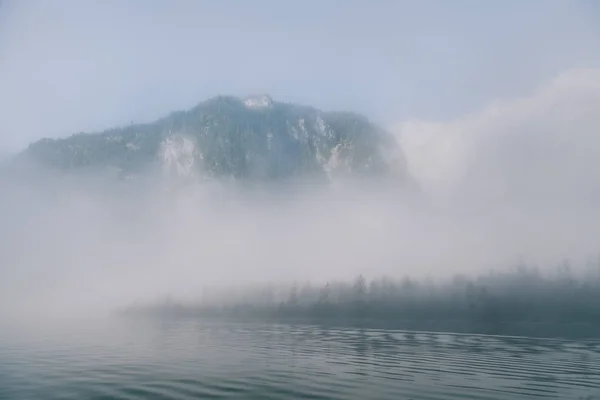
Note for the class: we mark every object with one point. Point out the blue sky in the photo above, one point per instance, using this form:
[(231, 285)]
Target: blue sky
[(72, 65)]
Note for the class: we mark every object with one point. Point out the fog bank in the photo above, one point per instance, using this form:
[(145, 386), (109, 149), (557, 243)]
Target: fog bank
[(518, 181), (542, 149), (72, 246)]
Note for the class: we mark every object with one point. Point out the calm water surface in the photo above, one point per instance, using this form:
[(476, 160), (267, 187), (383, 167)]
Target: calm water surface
[(192, 359)]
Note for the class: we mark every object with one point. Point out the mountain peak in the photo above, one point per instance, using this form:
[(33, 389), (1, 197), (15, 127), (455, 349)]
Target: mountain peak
[(227, 137), (260, 101)]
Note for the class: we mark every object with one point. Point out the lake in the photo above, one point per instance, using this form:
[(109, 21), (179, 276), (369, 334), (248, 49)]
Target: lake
[(121, 358)]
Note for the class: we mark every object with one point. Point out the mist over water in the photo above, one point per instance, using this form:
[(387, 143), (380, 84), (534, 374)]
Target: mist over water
[(83, 245), (515, 183), (474, 272)]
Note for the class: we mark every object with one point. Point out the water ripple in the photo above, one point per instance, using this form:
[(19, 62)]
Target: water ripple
[(194, 359)]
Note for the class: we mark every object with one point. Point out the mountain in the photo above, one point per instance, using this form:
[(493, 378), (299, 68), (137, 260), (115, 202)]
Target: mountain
[(254, 138)]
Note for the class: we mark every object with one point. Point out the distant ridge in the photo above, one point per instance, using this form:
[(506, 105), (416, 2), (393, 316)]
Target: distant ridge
[(252, 138)]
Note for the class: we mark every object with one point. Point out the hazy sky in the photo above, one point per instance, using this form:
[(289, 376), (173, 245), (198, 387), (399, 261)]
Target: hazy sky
[(72, 65)]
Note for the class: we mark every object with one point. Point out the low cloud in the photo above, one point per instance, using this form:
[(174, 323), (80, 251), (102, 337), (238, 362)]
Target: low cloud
[(543, 148), (513, 182)]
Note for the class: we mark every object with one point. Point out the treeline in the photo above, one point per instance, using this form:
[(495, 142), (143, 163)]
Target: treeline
[(523, 295)]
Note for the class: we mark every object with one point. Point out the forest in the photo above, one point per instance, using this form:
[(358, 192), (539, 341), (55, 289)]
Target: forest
[(510, 302)]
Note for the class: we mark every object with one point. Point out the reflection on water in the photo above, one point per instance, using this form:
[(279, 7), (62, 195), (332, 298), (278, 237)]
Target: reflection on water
[(185, 359)]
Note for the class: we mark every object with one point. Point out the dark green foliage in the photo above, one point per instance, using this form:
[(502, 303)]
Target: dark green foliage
[(230, 139), (489, 304)]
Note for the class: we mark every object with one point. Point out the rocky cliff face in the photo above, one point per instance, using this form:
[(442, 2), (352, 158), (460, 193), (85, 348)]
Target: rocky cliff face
[(248, 139)]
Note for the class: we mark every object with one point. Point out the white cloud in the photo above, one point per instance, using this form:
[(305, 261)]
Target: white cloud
[(544, 145)]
